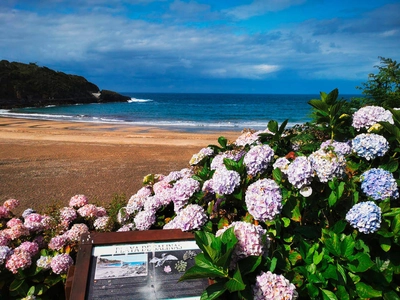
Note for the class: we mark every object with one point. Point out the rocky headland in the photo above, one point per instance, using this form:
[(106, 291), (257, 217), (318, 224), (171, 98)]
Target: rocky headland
[(28, 85)]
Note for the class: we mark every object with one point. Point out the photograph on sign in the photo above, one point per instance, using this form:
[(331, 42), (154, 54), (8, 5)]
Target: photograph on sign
[(144, 271)]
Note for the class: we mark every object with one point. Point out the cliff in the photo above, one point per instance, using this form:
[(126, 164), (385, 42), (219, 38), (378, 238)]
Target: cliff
[(27, 85)]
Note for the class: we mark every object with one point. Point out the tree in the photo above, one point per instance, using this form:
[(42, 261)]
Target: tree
[(384, 87)]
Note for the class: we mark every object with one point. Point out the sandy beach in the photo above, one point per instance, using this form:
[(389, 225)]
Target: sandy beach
[(44, 163)]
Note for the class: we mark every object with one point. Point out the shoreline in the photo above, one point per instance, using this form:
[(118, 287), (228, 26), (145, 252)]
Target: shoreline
[(45, 163)]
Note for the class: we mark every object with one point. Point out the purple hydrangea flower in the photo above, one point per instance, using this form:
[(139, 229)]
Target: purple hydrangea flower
[(74, 234), (263, 199), (282, 163), (58, 242), (60, 263), (342, 148), (258, 158), (31, 247), (218, 161), (272, 286), (365, 216), (191, 217), (379, 184), (34, 222), (27, 212), (183, 190), (300, 172), (4, 252), (68, 214), (224, 181), (251, 240), (370, 145), (198, 157), (367, 116), (327, 164), (101, 223), (144, 220)]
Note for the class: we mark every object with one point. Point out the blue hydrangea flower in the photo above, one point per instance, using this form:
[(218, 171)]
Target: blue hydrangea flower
[(224, 181), (370, 145), (379, 184), (4, 252), (365, 216), (300, 172), (264, 199), (367, 116), (258, 158)]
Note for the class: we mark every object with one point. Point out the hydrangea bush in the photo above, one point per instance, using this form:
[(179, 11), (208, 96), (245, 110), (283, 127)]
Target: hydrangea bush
[(309, 212)]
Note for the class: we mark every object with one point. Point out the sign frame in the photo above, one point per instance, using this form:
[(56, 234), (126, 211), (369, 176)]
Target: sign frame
[(83, 268)]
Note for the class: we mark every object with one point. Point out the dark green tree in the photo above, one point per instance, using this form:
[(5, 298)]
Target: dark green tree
[(384, 87)]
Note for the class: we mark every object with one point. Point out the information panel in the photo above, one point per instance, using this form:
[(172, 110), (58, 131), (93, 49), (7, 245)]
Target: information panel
[(140, 269)]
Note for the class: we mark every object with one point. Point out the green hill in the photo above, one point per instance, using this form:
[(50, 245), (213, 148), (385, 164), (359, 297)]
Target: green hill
[(27, 85)]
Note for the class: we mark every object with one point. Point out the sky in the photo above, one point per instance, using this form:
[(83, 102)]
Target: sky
[(254, 46)]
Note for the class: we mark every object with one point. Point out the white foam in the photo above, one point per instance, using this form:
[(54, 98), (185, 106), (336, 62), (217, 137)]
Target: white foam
[(133, 100)]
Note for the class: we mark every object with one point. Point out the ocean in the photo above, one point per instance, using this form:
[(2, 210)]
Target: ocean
[(186, 112)]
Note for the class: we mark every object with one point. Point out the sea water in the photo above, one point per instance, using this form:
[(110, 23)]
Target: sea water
[(188, 112)]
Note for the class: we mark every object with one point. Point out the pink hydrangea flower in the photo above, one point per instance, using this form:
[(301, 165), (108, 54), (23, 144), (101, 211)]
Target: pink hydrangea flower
[(31, 247), (74, 234), (60, 263), (144, 220), (4, 238), (273, 286), (17, 231), (68, 214), (4, 212), (34, 222), (88, 211), (78, 201), (18, 260), (58, 242), (101, 223), (13, 222), (11, 204)]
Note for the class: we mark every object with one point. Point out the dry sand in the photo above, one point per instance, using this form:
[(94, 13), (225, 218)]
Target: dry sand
[(47, 162)]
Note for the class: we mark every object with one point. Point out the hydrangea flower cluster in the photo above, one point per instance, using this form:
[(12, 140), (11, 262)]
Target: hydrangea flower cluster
[(282, 163), (198, 157), (272, 286), (251, 240), (218, 161), (367, 116), (78, 201), (144, 220), (101, 223), (76, 231), (68, 214), (18, 260), (379, 184), (370, 145), (365, 216), (4, 252), (58, 242), (34, 222), (341, 148), (327, 164), (183, 190), (44, 262), (248, 138), (300, 172), (190, 218), (60, 263), (224, 181), (258, 159), (264, 199)]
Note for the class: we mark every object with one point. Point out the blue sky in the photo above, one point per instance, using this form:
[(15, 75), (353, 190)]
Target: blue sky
[(259, 46)]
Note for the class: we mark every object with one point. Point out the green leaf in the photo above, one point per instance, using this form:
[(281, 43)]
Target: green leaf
[(333, 244), (332, 199), (317, 258), (318, 104), (341, 293), (330, 272), (282, 127), (391, 295), (273, 126), (366, 291), (339, 226), (236, 282), (342, 272), (340, 190), (222, 141), (286, 221), (364, 262), (197, 272), (214, 291), (332, 97), (391, 166), (277, 175), (328, 295), (347, 246), (16, 284), (249, 264), (385, 243), (312, 290), (396, 224)]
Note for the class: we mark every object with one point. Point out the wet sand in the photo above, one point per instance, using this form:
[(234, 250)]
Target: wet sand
[(44, 163)]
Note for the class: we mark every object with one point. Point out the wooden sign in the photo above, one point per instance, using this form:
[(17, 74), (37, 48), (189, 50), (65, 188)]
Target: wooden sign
[(136, 265)]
